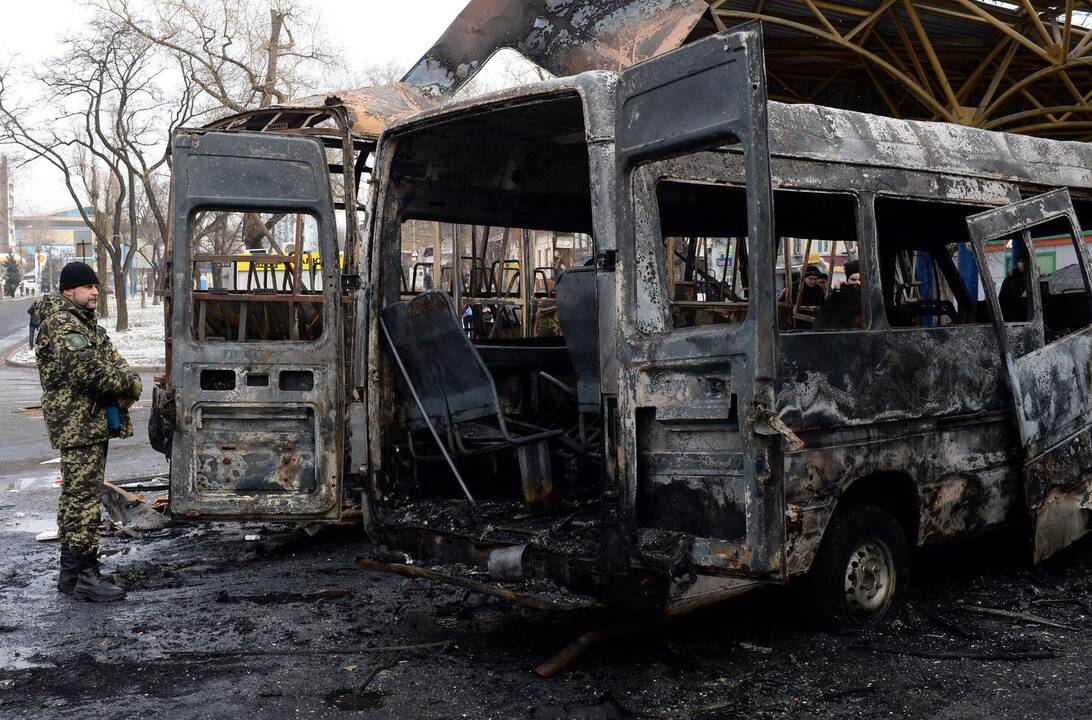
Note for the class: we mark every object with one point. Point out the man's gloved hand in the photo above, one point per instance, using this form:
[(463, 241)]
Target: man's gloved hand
[(138, 388)]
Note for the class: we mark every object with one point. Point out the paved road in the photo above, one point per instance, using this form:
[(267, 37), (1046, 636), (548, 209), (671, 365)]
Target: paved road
[(25, 453), (28, 463), (13, 319)]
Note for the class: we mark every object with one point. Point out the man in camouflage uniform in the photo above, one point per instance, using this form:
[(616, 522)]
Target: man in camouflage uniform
[(81, 375)]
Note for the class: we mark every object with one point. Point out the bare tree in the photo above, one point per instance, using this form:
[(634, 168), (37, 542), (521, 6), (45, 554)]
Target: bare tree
[(381, 74), (99, 121), (54, 144), (340, 76), (151, 224), (242, 54)]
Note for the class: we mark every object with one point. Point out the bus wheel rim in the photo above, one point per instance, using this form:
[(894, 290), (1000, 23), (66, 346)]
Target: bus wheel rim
[(869, 580)]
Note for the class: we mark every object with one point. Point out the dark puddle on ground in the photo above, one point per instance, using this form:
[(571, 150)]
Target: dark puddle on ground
[(355, 701)]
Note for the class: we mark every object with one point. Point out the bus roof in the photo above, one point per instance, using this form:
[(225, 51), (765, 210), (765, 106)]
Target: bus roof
[(846, 136), (838, 136)]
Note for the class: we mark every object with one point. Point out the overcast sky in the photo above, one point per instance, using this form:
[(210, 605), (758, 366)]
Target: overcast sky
[(372, 32)]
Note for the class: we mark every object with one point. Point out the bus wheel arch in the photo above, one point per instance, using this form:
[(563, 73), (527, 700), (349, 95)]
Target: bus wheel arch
[(896, 492), (861, 570)]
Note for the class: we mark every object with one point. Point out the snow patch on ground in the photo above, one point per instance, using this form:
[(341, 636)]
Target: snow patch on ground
[(141, 345)]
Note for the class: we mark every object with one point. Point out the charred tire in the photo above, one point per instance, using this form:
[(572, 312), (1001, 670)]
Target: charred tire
[(862, 570)]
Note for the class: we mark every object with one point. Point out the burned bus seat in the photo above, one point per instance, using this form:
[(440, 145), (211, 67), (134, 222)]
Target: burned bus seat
[(925, 312), (457, 393), (579, 320), (507, 322)]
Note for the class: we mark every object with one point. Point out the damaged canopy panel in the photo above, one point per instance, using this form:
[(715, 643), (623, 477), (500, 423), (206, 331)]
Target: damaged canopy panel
[(366, 111), (564, 37)]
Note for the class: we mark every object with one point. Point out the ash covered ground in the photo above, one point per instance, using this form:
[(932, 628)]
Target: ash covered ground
[(219, 626)]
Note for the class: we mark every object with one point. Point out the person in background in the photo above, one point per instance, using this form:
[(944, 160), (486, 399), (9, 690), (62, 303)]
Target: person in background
[(852, 269), (843, 309), (559, 265), (812, 294), (468, 322), (1014, 292), (34, 321)]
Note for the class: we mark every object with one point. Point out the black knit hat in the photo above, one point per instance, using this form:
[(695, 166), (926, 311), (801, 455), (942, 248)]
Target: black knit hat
[(77, 274)]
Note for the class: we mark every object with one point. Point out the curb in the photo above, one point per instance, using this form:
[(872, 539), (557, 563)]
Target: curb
[(10, 353)]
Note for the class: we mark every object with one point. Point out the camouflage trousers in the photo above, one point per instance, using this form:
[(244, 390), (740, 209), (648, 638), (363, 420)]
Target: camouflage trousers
[(79, 512)]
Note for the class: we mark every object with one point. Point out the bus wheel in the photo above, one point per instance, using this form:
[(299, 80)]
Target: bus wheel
[(862, 569)]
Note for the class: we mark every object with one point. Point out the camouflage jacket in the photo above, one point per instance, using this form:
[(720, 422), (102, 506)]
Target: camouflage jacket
[(81, 373)]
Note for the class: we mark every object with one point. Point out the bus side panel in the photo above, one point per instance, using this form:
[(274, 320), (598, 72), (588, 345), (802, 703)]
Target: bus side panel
[(916, 409)]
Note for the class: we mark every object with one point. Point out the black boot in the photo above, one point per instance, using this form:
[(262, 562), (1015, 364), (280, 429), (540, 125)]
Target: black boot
[(70, 568), (91, 585)]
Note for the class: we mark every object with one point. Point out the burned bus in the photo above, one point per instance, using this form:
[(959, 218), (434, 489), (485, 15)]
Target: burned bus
[(663, 413)]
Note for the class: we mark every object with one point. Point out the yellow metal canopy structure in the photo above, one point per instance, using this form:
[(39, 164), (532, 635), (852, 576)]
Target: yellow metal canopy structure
[(1021, 66)]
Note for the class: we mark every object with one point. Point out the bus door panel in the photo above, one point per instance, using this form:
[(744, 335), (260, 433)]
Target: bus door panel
[(700, 449), (1051, 386), (257, 370)]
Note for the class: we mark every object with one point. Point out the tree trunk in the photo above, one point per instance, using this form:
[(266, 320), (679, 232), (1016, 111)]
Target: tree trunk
[(132, 236), (273, 52), (154, 272), (100, 270), (253, 233), (120, 280)]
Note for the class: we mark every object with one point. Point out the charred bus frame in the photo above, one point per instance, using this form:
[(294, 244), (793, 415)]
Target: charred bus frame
[(726, 441)]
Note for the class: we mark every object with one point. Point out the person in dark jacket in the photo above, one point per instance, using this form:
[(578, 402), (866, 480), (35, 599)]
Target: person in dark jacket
[(852, 270), (812, 294), (87, 388), (843, 309), (34, 320), (1014, 292)]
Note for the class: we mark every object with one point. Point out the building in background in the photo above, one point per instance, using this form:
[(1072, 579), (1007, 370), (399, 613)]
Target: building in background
[(46, 242), (62, 231)]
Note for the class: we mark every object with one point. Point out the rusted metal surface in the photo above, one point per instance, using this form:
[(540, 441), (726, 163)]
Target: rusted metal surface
[(522, 596), (814, 131), (687, 388), (913, 418), (373, 108), (368, 110), (563, 36), (259, 429)]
